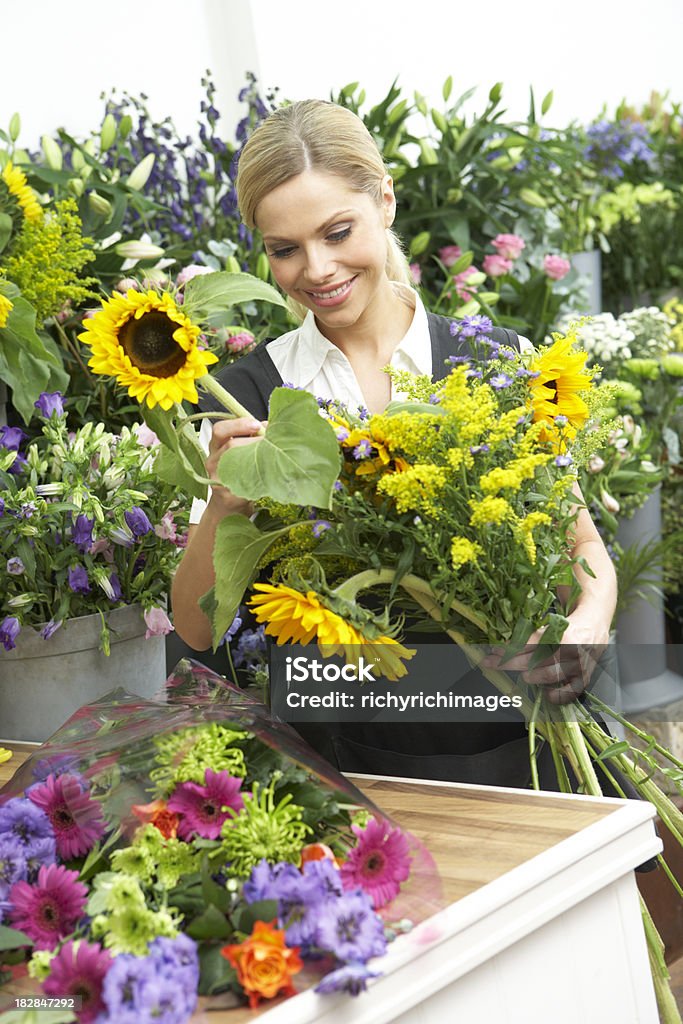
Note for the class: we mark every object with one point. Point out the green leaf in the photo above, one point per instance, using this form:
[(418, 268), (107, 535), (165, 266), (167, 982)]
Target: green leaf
[(238, 548), (215, 972), (396, 406), (24, 374), (210, 925), (620, 747), (296, 461), (22, 323), (11, 938), (181, 460), (5, 229), (214, 894), (261, 910), (212, 293)]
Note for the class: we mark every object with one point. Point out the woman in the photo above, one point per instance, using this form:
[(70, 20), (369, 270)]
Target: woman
[(312, 181)]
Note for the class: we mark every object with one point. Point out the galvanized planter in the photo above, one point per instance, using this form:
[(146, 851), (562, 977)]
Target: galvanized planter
[(42, 682)]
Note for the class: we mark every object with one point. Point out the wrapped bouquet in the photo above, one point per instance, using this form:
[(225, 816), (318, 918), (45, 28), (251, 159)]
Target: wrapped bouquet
[(151, 852)]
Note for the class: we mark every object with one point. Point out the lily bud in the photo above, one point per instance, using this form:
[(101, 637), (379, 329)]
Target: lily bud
[(14, 127), (53, 153), (262, 267), (76, 187), (138, 250), (232, 265), (125, 126), (610, 503), (77, 160), (107, 133), (647, 466), (98, 204), (137, 178)]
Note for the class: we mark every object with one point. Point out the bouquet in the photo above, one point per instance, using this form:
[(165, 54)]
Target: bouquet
[(151, 852), (85, 526), (460, 498)]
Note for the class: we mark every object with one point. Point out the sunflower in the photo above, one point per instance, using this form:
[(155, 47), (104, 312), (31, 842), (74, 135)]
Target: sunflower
[(557, 389), (18, 187), (5, 309), (293, 617), (146, 341)]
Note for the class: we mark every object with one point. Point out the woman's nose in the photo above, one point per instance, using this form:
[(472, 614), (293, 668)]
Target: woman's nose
[(320, 265)]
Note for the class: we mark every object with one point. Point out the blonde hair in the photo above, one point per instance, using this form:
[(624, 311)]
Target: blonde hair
[(314, 135)]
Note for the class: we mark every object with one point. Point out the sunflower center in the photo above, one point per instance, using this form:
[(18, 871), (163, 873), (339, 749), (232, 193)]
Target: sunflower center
[(552, 384), (150, 345)]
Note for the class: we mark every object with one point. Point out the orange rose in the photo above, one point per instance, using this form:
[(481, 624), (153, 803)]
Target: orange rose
[(264, 964), (156, 813), (318, 851)]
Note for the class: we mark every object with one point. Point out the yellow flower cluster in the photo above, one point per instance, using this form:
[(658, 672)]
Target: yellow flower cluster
[(417, 489), (464, 551), (17, 186), (490, 511), (525, 528), (6, 308), (458, 457), (512, 476), (404, 432), (505, 427)]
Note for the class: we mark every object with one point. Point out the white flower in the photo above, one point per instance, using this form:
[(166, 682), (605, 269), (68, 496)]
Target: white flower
[(595, 464)]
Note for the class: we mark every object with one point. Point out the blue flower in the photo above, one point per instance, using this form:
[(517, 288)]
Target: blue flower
[(563, 460), (342, 434), (251, 644), (362, 449), (232, 629), (116, 592), (320, 527), (22, 820), (350, 929), (9, 631), (13, 867), (561, 421), (265, 880), (78, 580), (500, 381), (138, 521), (50, 403), (15, 566), (476, 449), (81, 532), (11, 437), (351, 978)]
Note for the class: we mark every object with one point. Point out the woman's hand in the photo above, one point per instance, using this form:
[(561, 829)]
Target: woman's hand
[(570, 668), (228, 434)]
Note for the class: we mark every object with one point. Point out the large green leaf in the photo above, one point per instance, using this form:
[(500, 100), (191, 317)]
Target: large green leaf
[(5, 229), (22, 372), (238, 549), (181, 460), (297, 461), (211, 293), (22, 323), (10, 938)]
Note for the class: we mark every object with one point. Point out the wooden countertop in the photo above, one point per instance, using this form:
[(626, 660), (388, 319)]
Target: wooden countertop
[(475, 834)]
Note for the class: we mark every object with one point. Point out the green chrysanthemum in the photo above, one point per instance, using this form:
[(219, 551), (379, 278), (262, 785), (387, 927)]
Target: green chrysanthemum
[(185, 756), (263, 829)]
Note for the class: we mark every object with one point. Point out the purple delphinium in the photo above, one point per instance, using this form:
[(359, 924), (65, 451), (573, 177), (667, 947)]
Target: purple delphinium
[(78, 580), (50, 403), (22, 820), (81, 532), (13, 867), (9, 631), (613, 144), (232, 629), (251, 644), (265, 880), (15, 566), (351, 978), (349, 928), (161, 986), (138, 521)]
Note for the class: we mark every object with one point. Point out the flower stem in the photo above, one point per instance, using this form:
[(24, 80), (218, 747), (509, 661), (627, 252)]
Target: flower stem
[(640, 733), (666, 1004), (210, 384)]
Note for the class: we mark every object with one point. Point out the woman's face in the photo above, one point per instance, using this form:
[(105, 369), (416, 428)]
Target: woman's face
[(327, 245)]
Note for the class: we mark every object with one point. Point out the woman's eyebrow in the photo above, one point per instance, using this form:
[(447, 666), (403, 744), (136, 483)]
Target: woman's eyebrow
[(330, 220)]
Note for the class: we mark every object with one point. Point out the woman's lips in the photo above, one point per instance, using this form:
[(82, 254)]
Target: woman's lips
[(332, 296)]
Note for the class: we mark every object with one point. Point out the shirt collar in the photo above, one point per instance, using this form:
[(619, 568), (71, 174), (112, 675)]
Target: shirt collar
[(415, 346)]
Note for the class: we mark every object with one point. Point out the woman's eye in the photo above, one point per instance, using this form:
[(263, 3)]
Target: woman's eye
[(339, 236), (281, 254)]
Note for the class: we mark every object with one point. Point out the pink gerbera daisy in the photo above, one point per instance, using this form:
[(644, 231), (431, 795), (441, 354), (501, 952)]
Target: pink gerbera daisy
[(48, 910), (378, 863), (203, 809), (75, 817), (79, 969)]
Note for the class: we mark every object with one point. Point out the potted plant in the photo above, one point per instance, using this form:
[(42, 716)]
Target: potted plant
[(89, 538)]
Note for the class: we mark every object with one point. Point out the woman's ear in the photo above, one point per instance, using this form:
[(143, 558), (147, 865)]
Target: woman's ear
[(388, 200)]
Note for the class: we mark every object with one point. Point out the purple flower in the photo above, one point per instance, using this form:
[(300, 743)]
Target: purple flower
[(563, 460), (138, 521), (232, 629), (561, 421), (342, 434), (81, 533), (320, 527), (2, 506), (13, 866), (471, 326), (350, 929), (9, 631), (20, 819), (454, 360), (15, 566), (49, 403), (18, 465), (338, 485), (27, 509), (474, 373), (362, 449), (251, 644), (11, 437), (41, 851), (351, 978), (500, 381), (265, 880), (476, 449), (78, 580), (160, 987), (116, 592)]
